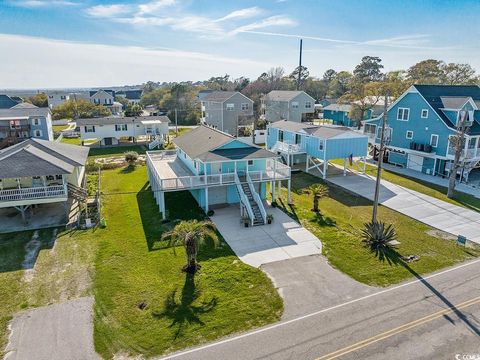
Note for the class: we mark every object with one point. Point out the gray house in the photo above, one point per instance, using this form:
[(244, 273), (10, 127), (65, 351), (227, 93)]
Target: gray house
[(227, 111), (24, 121), (287, 105)]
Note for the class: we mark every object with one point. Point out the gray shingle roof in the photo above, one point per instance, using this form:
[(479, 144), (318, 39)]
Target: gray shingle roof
[(35, 157), (324, 132), (24, 105), (201, 140), (219, 96), (454, 102), (247, 153), (24, 112), (283, 95), (291, 125), (338, 107), (111, 120)]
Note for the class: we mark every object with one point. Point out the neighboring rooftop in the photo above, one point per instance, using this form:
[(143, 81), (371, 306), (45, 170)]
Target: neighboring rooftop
[(35, 157), (7, 102), (24, 105), (321, 131), (120, 120), (283, 95), (338, 107), (133, 94), (24, 112), (219, 96), (93, 92)]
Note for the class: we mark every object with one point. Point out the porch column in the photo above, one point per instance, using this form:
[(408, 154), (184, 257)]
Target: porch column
[(206, 199), (364, 165), (272, 190), (306, 163), (325, 167), (161, 201), (434, 167), (279, 188), (289, 197), (344, 166)]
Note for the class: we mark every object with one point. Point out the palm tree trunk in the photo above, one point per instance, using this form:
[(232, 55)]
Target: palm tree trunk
[(315, 203)]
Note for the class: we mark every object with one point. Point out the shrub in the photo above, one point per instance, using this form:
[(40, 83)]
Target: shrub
[(131, 157), (210, 212)]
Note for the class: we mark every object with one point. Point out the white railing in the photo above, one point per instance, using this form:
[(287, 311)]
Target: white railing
[(41, 192), (244, 199), (467, 154), (257, 199), (288, 148), (154, 143)]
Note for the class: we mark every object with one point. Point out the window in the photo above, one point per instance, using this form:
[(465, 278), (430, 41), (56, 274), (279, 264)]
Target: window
[(250, 162), (268, 131), (89, 128), (96, 101), (280, 135), (294, 104), (321, 145), (403, 113), (58, 177), (308, 104), (298, 138), (434, 140), (230, 107), (409, 134), (63, 97), (121, 127), (36, 121), (370, 128), (244, 106), (424, 113), (50, 96), (38, 133)]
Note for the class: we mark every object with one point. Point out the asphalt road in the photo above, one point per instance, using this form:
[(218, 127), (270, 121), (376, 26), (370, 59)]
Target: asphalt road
[(435, 317)]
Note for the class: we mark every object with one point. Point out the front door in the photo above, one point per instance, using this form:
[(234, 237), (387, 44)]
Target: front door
[(108, 141), (415, 162), (216, 168)]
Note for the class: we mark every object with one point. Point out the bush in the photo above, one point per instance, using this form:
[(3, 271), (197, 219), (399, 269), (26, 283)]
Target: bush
[(131, 157), (274, 204), (210, 212)]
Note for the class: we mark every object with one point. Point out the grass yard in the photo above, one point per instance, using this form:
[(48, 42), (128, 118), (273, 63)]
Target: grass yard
[(58, 128), (62, 271), (144, 304), (111, 151), (433, 190), (181, 131), (339, 229), (71, 141)]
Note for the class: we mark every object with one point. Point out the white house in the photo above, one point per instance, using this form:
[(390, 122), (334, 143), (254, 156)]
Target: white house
[(107, 99), (112, 130)]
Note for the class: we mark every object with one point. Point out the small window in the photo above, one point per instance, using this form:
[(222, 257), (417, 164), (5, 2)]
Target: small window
[(230, 107), (403, 114), (121, 127), (89, 128), (38, 133), (36, 121), (245, 106), (268, 132), (294, 104), (424, 113), (250, 162), (409, 134), (308, 104), (298, 138), (321, 145), (58, 177), (370, 128), (280, 135), (434, 140)]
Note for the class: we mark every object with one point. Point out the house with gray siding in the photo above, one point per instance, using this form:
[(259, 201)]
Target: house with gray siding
[(23, 122), (287, 105), (227, 111), (107, 99), (420, 124)]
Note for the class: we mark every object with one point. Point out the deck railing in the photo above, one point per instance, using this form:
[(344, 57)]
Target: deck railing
[(288, 148), (274, 171), (40, 192)]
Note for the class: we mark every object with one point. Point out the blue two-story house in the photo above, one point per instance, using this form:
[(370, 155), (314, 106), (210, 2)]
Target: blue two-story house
[(217, 169), (315, 146), (339, 114), (420, 123)]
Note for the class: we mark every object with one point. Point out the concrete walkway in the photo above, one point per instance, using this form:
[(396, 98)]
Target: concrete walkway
[(439, 214), (281, 240), (55, 332)]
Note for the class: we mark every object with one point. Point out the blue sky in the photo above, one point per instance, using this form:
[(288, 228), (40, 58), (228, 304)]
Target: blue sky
[(73, 43)]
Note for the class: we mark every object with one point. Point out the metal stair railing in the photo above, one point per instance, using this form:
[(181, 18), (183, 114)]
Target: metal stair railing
[(244, 199), (257, 198)]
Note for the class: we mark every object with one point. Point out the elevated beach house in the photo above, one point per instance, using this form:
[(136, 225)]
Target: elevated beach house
[(287, 105), (37, 172), (115, 129), (218, 170), (420, 124), (315, 146)]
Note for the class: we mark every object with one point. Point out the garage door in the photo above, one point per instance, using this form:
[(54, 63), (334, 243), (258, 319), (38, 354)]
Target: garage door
[(415, 162), (217, 195)]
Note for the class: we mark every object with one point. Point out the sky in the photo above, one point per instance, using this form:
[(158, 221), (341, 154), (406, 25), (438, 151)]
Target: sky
[(73, 43)]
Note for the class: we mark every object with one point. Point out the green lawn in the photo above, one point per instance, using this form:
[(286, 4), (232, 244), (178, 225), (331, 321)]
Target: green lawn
[(339, 229), (134, 269), (181, 131), (111, 151), (58, 128), (436, 191), (72, 141), (59, 274)]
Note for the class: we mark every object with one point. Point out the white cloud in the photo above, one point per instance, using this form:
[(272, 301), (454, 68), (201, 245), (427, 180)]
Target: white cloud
[(108, 11), (76, 64), (242, 13), (277, 20), (154, 6), (42, 3)]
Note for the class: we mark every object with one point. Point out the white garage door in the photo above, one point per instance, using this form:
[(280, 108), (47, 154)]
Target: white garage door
[(217, 195), (415, 162)]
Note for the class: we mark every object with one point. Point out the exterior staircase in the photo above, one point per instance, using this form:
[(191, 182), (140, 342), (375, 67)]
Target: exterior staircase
[(258, 218), (77, 193), (155, 143)]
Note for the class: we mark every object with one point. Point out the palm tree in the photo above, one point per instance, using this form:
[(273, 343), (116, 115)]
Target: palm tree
[(191, 234), (378, 236), (318, 191)]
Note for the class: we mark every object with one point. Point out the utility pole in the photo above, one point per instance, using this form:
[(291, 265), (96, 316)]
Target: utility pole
[(176, 123), (299, 66), (380, 160)]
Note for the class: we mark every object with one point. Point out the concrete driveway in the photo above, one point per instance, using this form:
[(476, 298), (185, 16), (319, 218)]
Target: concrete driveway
[(55, 332), (283, 239), (436, 213)]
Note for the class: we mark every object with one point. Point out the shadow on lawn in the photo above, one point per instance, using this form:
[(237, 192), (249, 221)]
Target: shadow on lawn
[(394, 258), (182, 312)]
